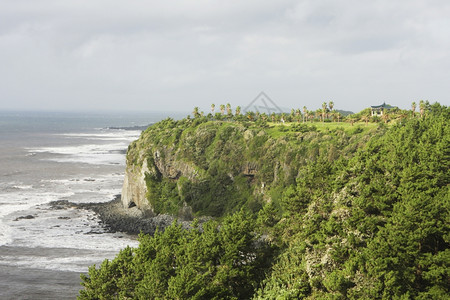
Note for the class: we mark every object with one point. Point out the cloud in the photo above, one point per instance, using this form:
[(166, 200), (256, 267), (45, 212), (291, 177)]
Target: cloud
[(179, 54)]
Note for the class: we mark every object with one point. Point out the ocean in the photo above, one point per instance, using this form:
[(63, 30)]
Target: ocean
[(49, 156)]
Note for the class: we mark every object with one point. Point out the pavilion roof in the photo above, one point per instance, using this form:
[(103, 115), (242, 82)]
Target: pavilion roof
[(384, 105)]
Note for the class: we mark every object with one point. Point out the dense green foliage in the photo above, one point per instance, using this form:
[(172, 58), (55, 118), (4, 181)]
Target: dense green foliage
[(207, 263), (373, 227), (353, 212)]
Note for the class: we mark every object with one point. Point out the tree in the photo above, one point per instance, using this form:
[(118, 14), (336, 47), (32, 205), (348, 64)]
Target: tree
[(385, 116), (339, 116), (413, 108), (318, 113), (331, 105), (297, 113), (213, 106), (351, 119), (365, 118), (311, 115), (272, 116), (305, 113), (111, 279), (333, 115), (402, 116), (217, 262), (324, 111), (222, 109), (422, 108), (229, 112), (196, 112), (292, 114), (238, 110), (264, 116)]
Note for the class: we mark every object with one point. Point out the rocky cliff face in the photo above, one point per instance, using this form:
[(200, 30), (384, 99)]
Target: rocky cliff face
[(154, 161), (134, 188)]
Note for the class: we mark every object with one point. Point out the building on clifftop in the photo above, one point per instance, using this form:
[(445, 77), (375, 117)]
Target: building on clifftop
[(378, 109)]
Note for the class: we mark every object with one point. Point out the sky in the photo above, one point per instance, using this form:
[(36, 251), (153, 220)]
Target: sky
[(138, 55)]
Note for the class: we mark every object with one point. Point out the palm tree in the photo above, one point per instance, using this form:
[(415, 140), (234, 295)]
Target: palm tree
[(422, 108), (331, 105), (305, 113), (222, 109), (228, 109), (324, 111), (297, 114), (365, 119), (213, 106), (263, 116), (272, 116), (385, 116), (351, 119), (333, 115), (238, 110), (413, 108), (195, 112)]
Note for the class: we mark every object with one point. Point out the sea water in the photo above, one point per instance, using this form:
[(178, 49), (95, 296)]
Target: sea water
[(46, 157)]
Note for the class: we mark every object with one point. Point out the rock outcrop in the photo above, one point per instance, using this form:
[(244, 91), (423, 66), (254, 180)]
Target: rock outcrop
[(163, 162), (134, 188)]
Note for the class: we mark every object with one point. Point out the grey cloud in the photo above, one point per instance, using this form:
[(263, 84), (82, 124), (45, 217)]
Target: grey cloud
[(187, 53)]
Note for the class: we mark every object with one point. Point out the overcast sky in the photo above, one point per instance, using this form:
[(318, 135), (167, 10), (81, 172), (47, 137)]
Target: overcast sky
[(174, 55)]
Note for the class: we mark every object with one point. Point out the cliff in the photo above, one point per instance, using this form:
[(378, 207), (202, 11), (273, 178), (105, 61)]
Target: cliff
[(199, 166)]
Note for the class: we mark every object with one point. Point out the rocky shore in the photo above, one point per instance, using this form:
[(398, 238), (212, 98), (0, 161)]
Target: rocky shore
[(115, 218)]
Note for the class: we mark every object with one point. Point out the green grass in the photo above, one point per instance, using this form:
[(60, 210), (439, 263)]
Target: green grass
[(327, 125), (324, 127), (332, 125)]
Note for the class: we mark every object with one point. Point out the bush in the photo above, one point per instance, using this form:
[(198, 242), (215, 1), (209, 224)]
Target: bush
[(211, 263)]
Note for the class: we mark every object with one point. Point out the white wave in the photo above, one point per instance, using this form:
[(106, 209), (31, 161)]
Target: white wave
[(82, 149), (61, 228), (101, 188), (22, 187), (18, 202), (69, 261), (115, 135), (99, 153), (107, 154)]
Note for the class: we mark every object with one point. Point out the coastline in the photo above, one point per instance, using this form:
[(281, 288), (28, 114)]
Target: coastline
[(115, 218)]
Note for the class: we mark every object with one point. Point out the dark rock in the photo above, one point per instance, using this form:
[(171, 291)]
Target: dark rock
[(115, 218), (24, 217), (62, 204)]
